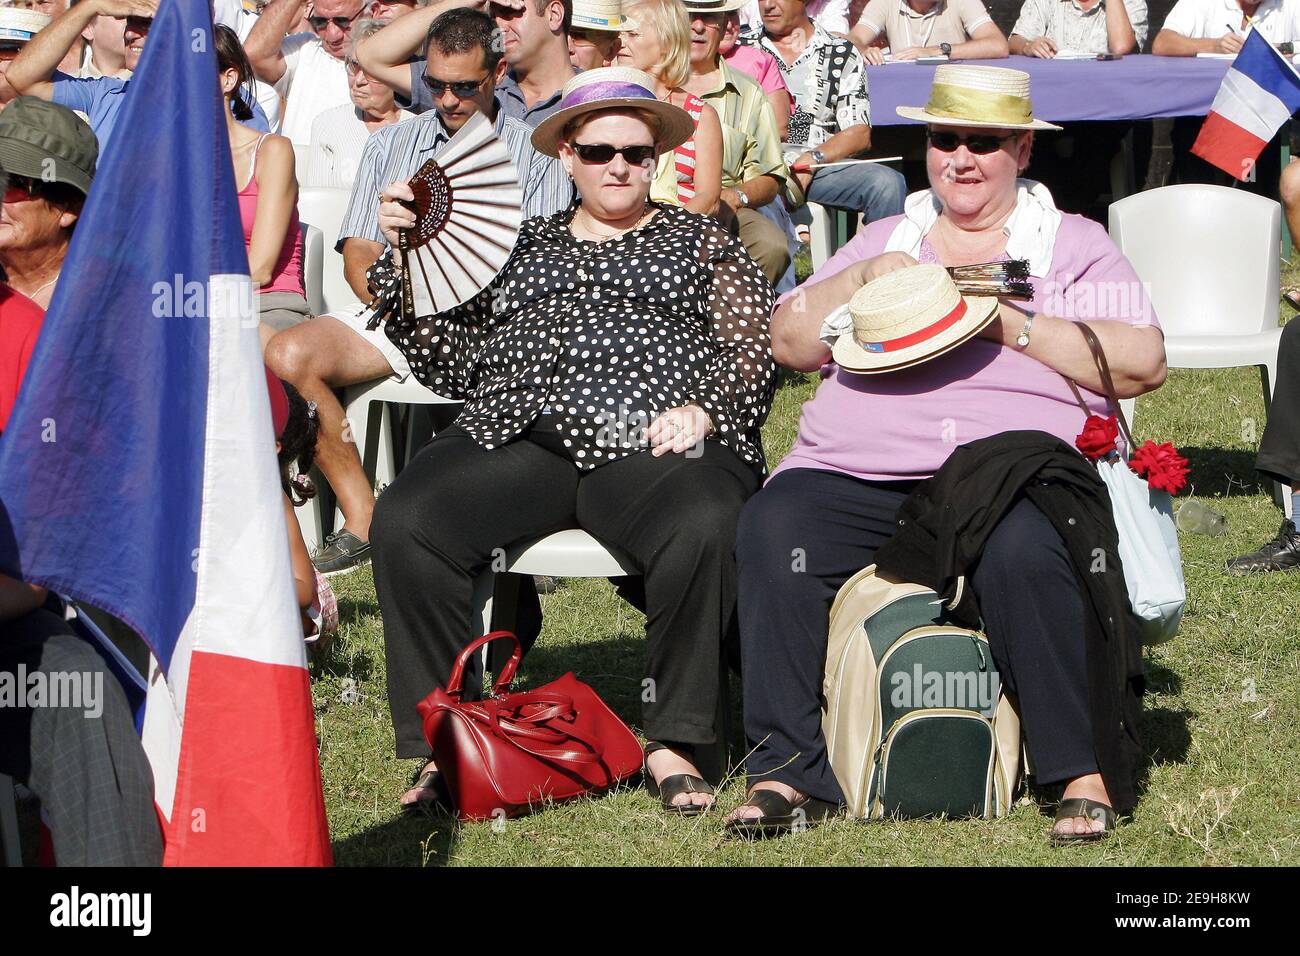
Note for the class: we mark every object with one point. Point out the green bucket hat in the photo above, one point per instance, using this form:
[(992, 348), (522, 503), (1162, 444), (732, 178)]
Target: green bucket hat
[(47, 142)]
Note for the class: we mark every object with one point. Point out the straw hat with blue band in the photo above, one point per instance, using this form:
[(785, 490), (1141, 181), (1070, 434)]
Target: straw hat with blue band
[(613, 87), (599, 15), (18, 26), (992, 97)]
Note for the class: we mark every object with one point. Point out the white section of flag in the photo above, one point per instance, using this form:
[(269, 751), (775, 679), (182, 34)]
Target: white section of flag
[(1242, 102)]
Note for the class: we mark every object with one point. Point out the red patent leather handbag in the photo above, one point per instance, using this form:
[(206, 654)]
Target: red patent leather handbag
[(512, 753)]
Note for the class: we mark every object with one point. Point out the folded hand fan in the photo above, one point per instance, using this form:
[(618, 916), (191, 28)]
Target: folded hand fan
[(468, 207)]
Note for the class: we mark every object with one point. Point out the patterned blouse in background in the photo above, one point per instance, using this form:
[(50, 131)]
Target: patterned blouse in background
[(1073, 29), (606, 337), (828, 82)]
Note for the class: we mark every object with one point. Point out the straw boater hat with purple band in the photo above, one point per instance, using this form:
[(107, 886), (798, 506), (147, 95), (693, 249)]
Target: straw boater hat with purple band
[(612, 87), (598, 15), (907, 317)]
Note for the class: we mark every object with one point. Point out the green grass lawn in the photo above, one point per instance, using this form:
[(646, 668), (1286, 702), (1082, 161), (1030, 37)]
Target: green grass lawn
[(1222, 727)]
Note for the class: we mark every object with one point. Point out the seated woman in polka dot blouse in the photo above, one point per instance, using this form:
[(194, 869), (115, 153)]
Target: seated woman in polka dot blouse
[(615, 376)]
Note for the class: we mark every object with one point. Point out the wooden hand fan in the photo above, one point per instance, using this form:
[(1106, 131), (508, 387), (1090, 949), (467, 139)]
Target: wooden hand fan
[(468, 207)]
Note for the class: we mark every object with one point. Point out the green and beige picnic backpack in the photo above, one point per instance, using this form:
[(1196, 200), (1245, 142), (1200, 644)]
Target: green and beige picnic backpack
[(915, 719)]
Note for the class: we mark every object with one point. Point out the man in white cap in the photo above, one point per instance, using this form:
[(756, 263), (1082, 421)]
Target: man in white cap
[(593, 35), (753, 168), (535, 45)]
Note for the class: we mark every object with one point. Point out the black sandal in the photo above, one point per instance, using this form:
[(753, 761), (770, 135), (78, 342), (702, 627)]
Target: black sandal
[(431, 783), (673, 786), (1292, 298), (1083, 807), (779, 816)]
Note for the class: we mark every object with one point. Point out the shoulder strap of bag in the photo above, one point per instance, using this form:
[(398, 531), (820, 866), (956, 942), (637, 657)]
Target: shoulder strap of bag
[(1099, 357)]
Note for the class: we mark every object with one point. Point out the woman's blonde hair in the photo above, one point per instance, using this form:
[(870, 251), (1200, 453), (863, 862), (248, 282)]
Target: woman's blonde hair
[(667, 18)]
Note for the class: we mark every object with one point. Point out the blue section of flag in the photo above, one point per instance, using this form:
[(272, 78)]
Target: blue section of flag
[(102, 462), (1267, 68)]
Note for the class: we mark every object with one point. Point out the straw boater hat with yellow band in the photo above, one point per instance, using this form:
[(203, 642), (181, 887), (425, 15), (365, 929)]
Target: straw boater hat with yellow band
[(907, 317), (613, 87), (984, 96), (598, 15)]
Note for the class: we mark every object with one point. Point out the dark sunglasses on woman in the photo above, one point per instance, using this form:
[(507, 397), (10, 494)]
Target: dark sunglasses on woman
[(22, 188), (598, 154), (343, 23), (980, 145)]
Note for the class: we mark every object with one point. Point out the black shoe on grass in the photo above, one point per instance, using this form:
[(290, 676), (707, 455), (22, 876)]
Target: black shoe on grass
[(343, 551), (1280, 554)]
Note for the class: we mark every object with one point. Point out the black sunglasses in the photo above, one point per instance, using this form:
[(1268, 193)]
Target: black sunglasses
[(598, 154), (343, 23), (461, 89), (980, 145)]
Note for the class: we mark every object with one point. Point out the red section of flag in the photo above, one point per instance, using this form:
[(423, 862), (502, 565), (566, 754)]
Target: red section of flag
[(1228, 146), (248, 789)]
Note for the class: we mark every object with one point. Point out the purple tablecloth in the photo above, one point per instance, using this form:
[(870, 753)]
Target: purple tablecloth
[(1135, 87)]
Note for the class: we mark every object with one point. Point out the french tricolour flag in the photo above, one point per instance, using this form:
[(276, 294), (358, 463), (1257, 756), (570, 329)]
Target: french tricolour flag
[(1259, 94), (138, 473)]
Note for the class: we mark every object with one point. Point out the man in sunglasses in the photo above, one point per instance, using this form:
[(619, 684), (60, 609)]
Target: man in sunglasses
[(306, 69), (464, 64), (533, 36), (832, 115), (35, 70)]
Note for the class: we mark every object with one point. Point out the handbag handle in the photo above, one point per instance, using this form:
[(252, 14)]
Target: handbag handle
[(515, 729), (1108, 383), (507, 674)]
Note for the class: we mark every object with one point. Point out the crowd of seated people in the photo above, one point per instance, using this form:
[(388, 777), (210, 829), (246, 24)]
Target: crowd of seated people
[(627, 399)]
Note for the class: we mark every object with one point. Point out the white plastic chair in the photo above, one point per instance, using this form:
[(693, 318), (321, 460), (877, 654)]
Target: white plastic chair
[(313, 256), (1208, 258), (375, 446), (325, 208), (564, 554)]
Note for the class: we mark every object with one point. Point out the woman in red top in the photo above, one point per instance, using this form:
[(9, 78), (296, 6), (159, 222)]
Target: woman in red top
[(268, 199), (657, 40)]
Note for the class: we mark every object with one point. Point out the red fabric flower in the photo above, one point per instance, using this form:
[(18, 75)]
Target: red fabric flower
[(1097, 440), (1161, 466)]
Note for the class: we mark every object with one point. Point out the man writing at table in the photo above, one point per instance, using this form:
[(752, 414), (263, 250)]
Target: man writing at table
[(1050, 27), (1220, 26), (957, 29)]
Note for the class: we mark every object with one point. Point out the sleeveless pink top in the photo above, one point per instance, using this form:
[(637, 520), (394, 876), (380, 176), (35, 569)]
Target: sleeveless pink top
[(286, 276)]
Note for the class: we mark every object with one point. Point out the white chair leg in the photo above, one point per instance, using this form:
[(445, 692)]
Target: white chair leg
[(481, 610), (311, 523), (822, 235), (385, 457), (357, 413)]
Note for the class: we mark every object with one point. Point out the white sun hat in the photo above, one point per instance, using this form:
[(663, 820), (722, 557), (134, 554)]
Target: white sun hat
[(907, 317), (598, 15), (987, 96)]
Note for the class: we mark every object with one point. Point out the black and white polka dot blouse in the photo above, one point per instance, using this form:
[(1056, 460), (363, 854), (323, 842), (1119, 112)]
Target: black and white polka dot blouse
[(605, 337)]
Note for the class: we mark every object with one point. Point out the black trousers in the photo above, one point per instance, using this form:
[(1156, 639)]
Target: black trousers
[(1279, 446), (806, 533), (438, 525), (86, 765)]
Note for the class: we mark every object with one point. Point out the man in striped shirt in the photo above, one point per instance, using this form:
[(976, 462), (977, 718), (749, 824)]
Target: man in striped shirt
[(333, 351)]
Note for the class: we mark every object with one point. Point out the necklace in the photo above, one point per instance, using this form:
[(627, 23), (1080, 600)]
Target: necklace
[(602, 237), (37, 291)]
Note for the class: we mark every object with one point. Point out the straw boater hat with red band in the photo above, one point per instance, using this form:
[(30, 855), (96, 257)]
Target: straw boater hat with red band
[(613, 87), (907, 317)]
